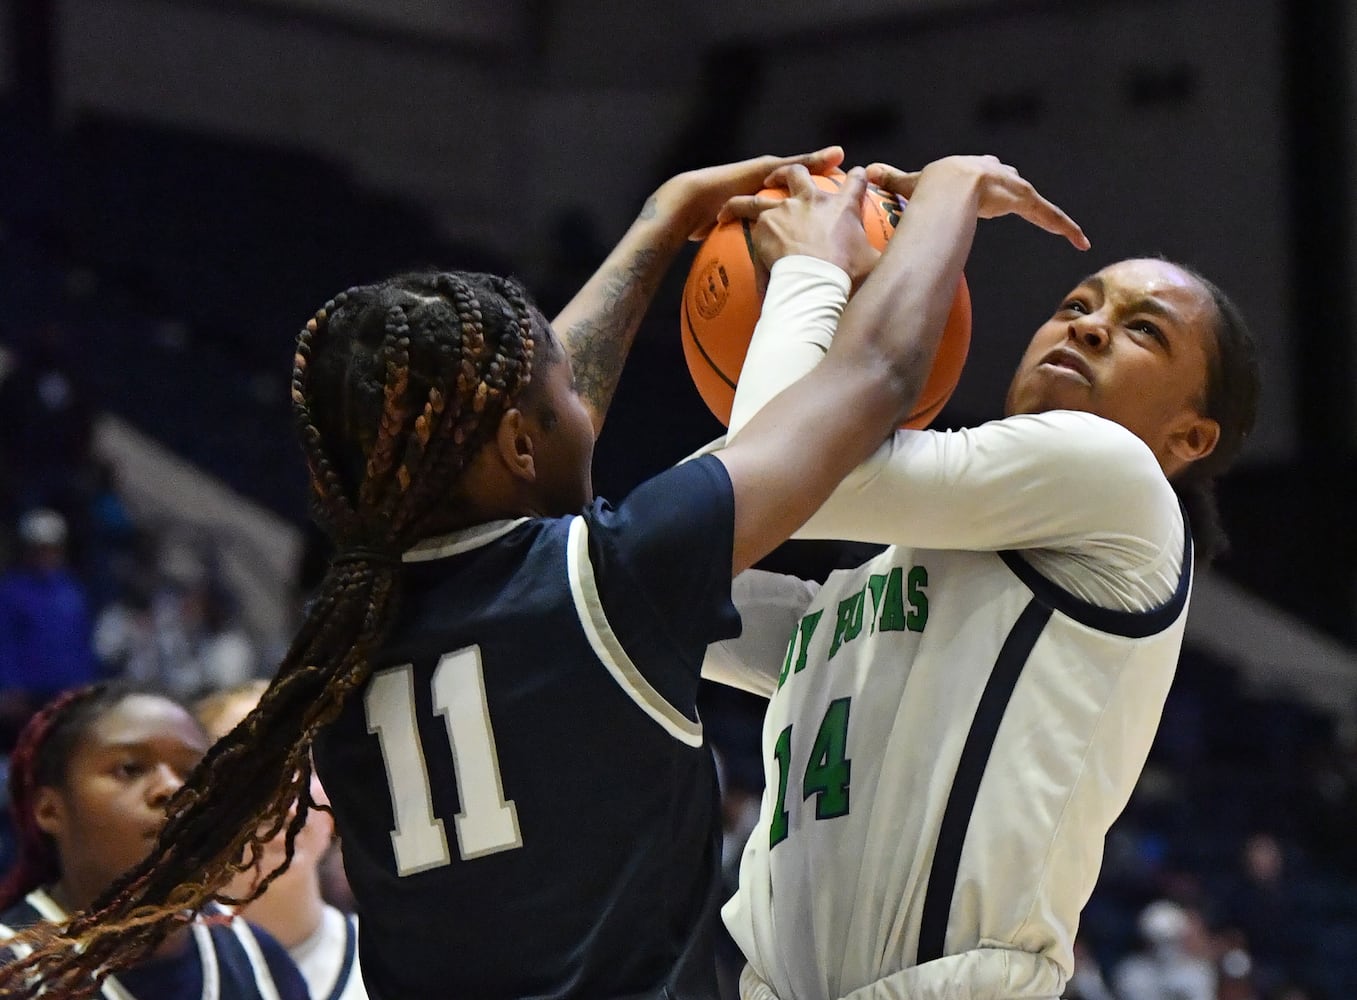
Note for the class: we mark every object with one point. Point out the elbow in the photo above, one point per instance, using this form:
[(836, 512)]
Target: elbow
[(902, 378)]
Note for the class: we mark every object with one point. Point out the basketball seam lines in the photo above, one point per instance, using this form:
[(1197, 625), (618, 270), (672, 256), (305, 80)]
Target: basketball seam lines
[(688, 325)]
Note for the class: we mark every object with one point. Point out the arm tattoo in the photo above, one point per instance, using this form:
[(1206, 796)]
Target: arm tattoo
[(649, 209), (599, 343)]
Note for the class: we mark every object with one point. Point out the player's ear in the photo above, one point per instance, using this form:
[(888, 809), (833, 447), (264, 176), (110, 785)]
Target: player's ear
[(1195, 439), (49, 811), (514, 445)]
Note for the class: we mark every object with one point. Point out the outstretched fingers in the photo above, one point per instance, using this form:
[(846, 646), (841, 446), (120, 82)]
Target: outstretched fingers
[(1031, 205)]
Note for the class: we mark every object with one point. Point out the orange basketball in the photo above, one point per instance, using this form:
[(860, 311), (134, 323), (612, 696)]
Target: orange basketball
[(722, 299)]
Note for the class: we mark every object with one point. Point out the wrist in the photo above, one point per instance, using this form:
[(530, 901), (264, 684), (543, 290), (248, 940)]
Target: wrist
[(813, 266), (677, 207)]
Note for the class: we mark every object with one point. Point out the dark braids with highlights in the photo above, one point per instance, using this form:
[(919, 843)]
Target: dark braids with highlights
[(395, 387)]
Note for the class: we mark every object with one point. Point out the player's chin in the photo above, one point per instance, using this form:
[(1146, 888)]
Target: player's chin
[(1041, 395)]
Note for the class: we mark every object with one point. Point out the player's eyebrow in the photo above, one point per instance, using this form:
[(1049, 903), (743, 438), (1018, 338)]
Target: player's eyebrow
[(1144, 304), (1094, 283)]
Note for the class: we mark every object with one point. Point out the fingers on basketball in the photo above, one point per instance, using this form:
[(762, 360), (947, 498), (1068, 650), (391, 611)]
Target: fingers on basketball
[(723, 296)]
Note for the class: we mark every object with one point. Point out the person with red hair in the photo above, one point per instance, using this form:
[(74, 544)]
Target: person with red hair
[(90, 777)]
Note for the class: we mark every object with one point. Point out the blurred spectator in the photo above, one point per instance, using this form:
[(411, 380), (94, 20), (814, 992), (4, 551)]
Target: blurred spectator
[(44, 624), (113, 536), (1260, 898), (319, 937), (1174, 964), (1234, 967), (1087, 981), (174, 628)]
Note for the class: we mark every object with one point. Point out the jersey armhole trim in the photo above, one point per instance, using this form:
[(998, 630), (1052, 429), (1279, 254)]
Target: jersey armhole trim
[(1130, 624), (350, 953), (608, 648)]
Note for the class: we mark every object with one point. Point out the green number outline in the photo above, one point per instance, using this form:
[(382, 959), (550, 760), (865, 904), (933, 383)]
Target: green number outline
[(828, 772)]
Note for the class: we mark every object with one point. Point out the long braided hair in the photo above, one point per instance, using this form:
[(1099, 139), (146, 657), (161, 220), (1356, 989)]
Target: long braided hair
[(395, 387)]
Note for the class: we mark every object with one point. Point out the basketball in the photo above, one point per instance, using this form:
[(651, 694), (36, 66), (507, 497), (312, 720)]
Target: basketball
[(722, 298)]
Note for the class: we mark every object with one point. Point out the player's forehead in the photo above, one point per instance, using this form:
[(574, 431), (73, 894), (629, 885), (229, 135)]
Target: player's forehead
[(1148, 279), (144, 721)]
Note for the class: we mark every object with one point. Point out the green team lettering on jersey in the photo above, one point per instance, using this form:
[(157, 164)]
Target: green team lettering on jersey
[(918, 600), (897, 603), (800, 640)]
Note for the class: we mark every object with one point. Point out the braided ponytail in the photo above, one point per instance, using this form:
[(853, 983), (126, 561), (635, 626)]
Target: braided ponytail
[(394, 387)]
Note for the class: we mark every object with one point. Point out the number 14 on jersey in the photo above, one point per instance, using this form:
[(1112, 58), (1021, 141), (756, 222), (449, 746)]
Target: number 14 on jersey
[(827, 773)]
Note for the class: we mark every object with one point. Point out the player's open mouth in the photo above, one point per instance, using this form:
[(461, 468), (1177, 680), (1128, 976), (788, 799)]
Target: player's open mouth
[(1064, 359)]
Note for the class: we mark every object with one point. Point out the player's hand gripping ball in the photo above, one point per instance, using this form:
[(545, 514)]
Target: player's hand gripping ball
[(722, 299)]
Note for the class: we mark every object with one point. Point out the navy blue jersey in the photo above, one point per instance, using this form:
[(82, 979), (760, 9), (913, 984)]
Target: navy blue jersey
[(526, 802), (230, 960)]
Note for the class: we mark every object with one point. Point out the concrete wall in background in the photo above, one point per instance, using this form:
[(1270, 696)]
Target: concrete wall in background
[(421, 120), (494, 22), (1159, 124)]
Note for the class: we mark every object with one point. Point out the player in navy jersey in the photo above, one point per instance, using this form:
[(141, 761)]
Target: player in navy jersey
[(89, 780), (499, 671)]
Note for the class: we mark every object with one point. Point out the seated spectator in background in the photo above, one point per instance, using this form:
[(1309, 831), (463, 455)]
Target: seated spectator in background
[(90, 779), (44, 624), (1260, 898), (1086, 982), (174, 626), (322, 940), (1174, 965)]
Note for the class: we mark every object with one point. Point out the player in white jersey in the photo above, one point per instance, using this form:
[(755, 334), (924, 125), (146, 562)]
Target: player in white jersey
[(955, 724)]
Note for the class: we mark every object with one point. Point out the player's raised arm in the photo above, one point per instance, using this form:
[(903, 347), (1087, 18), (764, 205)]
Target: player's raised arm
[(797, 448), (599, 324)]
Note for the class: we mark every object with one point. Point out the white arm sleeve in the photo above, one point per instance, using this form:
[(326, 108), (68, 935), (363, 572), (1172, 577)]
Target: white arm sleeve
[(770, 605), (801, 310), (1082, 496)]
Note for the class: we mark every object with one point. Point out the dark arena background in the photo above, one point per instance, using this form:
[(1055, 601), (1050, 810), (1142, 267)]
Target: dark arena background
[(183, 182)]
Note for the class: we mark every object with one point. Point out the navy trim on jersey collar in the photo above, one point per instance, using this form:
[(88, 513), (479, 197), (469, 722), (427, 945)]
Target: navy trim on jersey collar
[(1131, 624), (346, 966), (442, 546)]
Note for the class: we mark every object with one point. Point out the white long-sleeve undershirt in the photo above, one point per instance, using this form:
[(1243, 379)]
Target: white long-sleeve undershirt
[(1081, 497)]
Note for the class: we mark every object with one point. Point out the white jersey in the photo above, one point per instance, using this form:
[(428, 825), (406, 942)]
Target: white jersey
[(328, 959), (955, 724)]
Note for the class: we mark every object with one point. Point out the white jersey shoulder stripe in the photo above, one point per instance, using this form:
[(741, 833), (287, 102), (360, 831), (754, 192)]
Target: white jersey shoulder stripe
[(442, 546), (608, 648), (1130, 624), (263, 979)]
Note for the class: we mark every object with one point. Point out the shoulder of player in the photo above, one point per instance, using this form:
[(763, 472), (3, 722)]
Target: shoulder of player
[(1086, 445)]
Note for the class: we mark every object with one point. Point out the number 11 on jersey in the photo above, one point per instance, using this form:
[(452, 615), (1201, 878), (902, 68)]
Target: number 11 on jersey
[(487, 823)]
